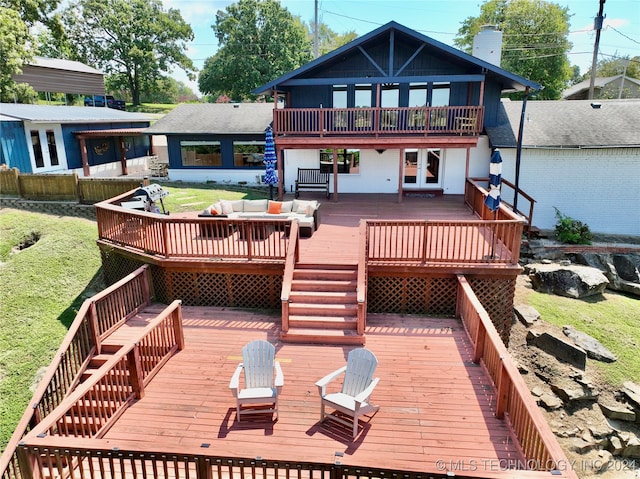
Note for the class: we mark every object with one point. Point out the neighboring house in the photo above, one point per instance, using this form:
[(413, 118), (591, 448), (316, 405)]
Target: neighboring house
[(604, 87), (222, 142), (59, 139), (61, 76), (394, 111), (578, 156)]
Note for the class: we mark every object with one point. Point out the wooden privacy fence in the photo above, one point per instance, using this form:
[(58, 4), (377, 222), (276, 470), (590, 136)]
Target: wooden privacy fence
[(426, 241), (96, 316), (514, 401), (63, 187)]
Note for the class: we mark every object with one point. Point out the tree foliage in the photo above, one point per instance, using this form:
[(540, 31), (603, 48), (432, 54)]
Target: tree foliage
[(259, 41), (133, 41), (14, 53), (535, 40), (615, 66), (328, 40)]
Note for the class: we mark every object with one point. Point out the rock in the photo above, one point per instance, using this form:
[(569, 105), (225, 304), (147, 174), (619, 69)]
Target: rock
[(550, 401), (558, 348), (615, 410), (601, 430), (581, 446), (622, 270), (527, 315), (632, 448), (604, 461), (632, 391), (629, 287), (593, 347), (615, 445), (537, 391), (569, 390), (627, 266), (573, 281)]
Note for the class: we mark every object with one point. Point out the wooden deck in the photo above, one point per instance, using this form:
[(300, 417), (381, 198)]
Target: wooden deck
[(435, 403)]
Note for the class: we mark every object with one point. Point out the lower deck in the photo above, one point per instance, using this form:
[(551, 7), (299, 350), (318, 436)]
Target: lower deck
[(436, 405)]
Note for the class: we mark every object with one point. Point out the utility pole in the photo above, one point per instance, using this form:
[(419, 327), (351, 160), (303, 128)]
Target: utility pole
[(315, 30), (597, 25)]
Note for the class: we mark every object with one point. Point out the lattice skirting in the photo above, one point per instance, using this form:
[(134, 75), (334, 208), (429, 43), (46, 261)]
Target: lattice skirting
[(201, 288), (436, 296)]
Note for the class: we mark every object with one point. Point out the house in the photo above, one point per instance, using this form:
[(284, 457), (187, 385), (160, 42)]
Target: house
[(393, 111), (580, 157), (58, 139), (55, 75), (604, 87), (221, 142)]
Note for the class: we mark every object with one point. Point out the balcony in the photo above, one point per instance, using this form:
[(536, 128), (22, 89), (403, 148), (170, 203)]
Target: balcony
[(379, 122)]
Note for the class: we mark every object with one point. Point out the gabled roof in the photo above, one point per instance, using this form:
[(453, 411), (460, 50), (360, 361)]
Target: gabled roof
[(599, 82), (215, 118), (69, 114), (568, 124), (511, 80)]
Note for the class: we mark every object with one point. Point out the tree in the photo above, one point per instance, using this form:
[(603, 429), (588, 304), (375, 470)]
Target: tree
[(14, 38), (616, 66), (535, 41), (259, 41), (133, 41), (328, 40)]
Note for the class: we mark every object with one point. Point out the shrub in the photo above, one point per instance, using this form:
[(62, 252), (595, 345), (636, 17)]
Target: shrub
[(571, 231)]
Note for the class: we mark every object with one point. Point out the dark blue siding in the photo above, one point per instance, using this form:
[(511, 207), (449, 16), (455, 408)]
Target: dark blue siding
[(14, 151), (226, 147)]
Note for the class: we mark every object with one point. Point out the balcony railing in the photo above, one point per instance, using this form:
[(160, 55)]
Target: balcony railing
[(440, 120)]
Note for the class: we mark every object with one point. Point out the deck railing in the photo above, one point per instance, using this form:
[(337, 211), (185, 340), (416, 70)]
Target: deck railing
[(293, 256), (445, 120), (92, 408), (514, 402), (96, 316), (173, 237), (437, 242), (361, 288)]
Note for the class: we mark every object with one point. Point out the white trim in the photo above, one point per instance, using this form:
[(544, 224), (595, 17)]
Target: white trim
[(30, 126)]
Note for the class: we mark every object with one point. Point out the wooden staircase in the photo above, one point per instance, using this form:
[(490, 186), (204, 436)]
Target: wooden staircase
[(323, 306)]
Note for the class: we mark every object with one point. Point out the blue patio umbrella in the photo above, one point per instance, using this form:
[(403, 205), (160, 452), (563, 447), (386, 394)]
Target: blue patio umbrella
[(495, 176), (270, 160)]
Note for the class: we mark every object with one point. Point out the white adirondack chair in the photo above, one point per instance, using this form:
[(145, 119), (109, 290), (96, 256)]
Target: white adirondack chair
[(260, 386), (357, 387)]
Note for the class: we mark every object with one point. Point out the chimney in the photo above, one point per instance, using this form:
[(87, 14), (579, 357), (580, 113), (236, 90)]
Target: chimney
[(487, 44)]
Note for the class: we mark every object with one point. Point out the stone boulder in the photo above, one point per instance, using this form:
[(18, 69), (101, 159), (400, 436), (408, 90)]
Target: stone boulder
[(593, 347), (559, 348), (570, 280), (622, 270)]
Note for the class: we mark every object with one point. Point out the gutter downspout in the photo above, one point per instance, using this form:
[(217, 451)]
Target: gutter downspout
[(516, 188)]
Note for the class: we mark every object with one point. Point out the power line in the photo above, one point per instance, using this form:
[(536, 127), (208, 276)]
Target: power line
[(625, 36)]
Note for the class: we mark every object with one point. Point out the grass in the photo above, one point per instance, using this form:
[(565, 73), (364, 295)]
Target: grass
[(613, 319), (194, 197), (42, 288)]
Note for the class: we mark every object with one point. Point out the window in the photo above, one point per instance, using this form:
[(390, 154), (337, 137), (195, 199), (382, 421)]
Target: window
[(348, 161), (362, 96), (440, 94), (418, 97), (248, 153), (37, 148), (201, 153), (339, 96), (389, 98), (53, 151)]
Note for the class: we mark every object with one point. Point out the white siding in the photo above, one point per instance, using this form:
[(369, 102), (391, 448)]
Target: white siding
[(600, 187)]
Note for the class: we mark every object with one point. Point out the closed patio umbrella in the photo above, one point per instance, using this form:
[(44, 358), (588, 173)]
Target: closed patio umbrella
[(270, 160), (495, 176)]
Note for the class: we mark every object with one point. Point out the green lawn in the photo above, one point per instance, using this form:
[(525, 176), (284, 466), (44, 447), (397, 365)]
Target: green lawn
[(613, 319), (42, 288), (196, 197)]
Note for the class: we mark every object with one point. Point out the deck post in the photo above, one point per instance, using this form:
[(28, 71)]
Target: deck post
[(135, 371), (177, 326), (400, 174), (503, 386), (26, 462), (478, 347), (93, 326), (203, 468)]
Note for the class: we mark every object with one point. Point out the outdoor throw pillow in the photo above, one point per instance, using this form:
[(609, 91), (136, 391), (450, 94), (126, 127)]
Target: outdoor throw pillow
[(226, 207), (286, 206), (275, 207)]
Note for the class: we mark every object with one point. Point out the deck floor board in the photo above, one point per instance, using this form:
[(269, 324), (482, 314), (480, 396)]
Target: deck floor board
[(435, 404)]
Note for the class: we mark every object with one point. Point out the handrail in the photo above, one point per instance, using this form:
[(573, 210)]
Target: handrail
[(289, 267), (98, 401), (438, 242), (449, 120), (539, 447), (80, 343), (171, 237), (361, 288)]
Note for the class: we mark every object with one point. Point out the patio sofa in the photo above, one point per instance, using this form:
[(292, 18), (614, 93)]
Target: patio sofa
[(306, 212)]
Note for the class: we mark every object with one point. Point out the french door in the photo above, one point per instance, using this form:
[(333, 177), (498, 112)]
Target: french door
[(422, 169)]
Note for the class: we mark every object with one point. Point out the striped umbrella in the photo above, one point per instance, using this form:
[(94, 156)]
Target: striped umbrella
[(495, 176), (270, 160)]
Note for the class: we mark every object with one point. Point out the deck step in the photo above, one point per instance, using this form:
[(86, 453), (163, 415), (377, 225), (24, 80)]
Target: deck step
[(347, 323), (323, 305), (318, 336)]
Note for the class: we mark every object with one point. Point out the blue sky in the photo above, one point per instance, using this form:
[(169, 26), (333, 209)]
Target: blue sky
[(439, 19)]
